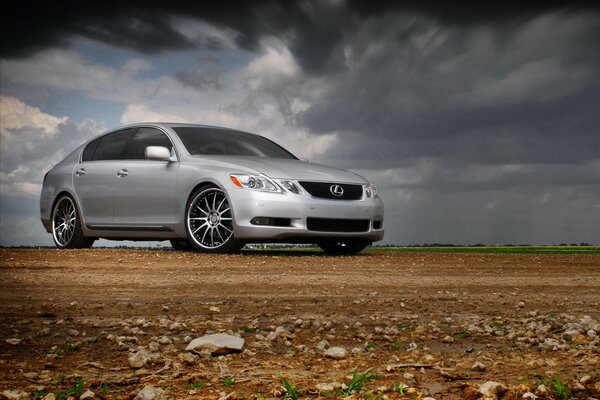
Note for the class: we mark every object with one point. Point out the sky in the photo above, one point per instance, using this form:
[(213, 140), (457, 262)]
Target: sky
[(478, 123)]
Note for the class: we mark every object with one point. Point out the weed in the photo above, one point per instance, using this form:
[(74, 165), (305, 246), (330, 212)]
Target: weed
[(291, 392), (396, 345), (229, 381), (405, 328), (356, 384), (104, 389), (196, 385), (248, 329), (463, 334), (497, 326), (561, 390), (71, 347), (370, 345), (398, 388), (75, 391)]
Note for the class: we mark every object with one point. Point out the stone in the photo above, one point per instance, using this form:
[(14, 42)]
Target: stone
[(139, 359), (493, 389), (448, 339), (88, 394), (571, 334), (176, 327), (521, 304), (585, 379), (336, 353), (13, 341), (149, 392), (529, 395), (323, 345), (164, 340), (217, 344), (478, 366), (15, 394), (188, 358), (49, 396)]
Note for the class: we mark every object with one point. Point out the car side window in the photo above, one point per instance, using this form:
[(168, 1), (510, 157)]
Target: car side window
[(90, 149), (143, 138), (112, 147)]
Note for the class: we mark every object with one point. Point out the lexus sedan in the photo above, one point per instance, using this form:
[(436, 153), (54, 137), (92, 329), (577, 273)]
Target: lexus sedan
[(206, 188)]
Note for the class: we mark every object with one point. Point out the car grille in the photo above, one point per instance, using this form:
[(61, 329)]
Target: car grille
[(337, 225), (323, 190)]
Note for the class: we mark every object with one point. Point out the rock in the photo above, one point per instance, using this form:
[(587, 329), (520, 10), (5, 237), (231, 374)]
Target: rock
[(217, 344), (164, 340), (428, 398), (336, 353), (16, 394), (49, 396), (585, 379), (550, 343), (188, 358), (326, 387), (73, 332), (149, 392), (578, 387), (448, 339), (323, 345), (154, 347), (88, 394), (176, 327), (529, 395), (31, 375), (214, 309), (478, 366), (541, 390), (571, 334), (279, 332), (13, 341), (521, 304), (408, 376), (493, 389), (139, 359)]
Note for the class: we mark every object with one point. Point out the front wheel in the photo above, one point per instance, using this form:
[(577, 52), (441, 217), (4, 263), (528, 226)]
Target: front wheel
[(209, 222), (343, 246), (66, 226)]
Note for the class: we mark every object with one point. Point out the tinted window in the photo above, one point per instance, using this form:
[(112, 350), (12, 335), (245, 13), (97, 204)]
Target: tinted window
[(143, 138), (88, 153), (211, 141), (112, 147)]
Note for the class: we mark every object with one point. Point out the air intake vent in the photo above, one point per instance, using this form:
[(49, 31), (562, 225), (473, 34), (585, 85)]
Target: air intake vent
[(332, 190), (337, 225)]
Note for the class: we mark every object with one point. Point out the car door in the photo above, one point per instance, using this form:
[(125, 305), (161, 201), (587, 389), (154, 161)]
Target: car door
[(95, 177), (145, 189)]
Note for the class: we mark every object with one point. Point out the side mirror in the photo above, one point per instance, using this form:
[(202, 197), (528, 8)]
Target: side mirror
[(158, 153)]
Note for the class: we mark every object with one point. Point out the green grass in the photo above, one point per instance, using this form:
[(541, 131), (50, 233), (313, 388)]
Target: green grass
[(291, 392), (229, 381), (196, 385), (356, 384), (491, 249)]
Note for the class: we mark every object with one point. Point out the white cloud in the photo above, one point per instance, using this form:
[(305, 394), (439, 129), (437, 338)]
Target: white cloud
[(14, 114)]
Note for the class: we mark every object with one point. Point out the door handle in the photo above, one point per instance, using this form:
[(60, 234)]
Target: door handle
[(122, 173), (80, 172)]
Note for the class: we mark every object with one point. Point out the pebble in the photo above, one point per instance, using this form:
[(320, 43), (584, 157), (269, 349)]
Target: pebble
[(188, 358), (139, 359), (478, 366), (149, 392), (217, 344), (13, 341), (336, 353), (448, 339), (323, 345), (16, 394), (493, 389), (88, 394)]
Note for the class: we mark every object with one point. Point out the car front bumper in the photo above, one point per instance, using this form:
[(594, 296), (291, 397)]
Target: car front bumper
[(248, 204)]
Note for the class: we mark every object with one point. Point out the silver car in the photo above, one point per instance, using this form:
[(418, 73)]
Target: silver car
[(206, 188)]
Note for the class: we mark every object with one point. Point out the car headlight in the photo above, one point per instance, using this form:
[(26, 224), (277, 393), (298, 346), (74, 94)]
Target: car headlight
[(255, 182), (371, 190)]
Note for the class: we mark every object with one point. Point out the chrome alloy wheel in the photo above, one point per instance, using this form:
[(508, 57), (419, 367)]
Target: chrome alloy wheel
[(209, 219), (64, 220)]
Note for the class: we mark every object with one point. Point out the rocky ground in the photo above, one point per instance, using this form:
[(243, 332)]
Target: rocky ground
[(115, 324)]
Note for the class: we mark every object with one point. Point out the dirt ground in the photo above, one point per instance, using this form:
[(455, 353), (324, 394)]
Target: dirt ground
[(418, 324)]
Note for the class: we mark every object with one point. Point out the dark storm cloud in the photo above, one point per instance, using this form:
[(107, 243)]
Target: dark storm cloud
[(313, 29)]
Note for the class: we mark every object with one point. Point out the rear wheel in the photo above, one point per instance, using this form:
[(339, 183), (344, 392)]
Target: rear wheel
[(343, 246), (209, 221), (66, 226)]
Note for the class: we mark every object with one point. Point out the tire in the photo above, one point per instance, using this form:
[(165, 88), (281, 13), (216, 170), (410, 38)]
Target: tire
[(343, 246), (66, 225), (181, 244), (209, 222)]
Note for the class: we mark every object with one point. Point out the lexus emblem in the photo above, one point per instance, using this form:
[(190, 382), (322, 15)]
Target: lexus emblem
[(336, 190)]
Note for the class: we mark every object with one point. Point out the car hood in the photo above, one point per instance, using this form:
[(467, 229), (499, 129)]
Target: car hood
[(279, 168)]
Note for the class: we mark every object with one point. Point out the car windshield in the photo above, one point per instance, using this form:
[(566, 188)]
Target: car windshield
[(215, 141)]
